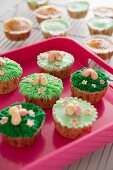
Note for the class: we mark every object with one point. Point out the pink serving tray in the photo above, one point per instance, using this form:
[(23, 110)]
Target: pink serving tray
[(52, 151)]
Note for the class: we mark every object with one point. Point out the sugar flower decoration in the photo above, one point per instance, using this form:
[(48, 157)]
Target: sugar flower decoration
[(29, 80), (73, 122), (84, 82), (94, 85), (88, 111), (41, 90), (31, 113), (30, 123), (4, 120), (56, 63), (2, 71), (102, 81), (55, 79)]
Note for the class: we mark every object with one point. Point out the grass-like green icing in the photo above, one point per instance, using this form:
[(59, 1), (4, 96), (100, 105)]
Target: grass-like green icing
[(12, 70), (77, 78), (22, 130), (52, 89)]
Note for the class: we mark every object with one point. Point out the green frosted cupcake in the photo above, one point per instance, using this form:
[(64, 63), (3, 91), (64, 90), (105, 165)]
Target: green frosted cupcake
[(41, 89), (89, 85), (10, 72), (34, 4), (77, 9), (20, 124), (54, 27), (55, 62), (73, 117), (100, 25)]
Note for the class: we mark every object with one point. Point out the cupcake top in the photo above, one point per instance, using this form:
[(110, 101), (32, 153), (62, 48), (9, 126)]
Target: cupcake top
[(100, 23), (54, 26), (48, 12), (9, 69), (103, 12), (55, 59), (74, 113), (37, 3), (21, 120), (100, 43), (89, 80), (41, 86), (17, 25), (77, 6)]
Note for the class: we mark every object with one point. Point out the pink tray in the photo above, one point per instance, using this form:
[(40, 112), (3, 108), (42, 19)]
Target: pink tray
[(52, 151)]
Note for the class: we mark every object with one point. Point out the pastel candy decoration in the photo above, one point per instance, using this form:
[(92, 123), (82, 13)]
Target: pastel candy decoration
[(23, 112), (36, 81), (43, 80), (78, 110), (90, 72), (51, 56), (2, 62), (16, 119), (13, 110), (70, 109), (58, 55)]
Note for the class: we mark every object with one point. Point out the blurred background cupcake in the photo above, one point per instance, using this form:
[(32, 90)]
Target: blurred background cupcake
[(34, 4)]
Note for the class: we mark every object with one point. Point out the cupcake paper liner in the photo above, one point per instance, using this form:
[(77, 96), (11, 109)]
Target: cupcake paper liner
[(91, 97), (78, 14), (61, 73), (8, 86)]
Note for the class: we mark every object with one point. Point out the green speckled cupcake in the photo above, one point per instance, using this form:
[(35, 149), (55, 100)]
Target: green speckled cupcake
[(10, 72), (89, 85), (41, 89), (54, 27), (21, 123), (100, 25), (34, 4), (57, 63), (73, 117), (77, 9)]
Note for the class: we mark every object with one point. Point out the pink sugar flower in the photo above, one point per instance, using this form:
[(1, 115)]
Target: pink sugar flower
[(56, 63), (54, 79), (2, 71), (41, 90), (73, 121), (42, 56), (4, 120), (65, 102), (102, 81), (88, 112)]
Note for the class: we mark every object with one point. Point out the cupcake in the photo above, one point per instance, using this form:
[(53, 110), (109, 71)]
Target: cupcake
[(55, 62), (17, 29), (77, 9), (73, 117), (54, 27), (10, 72), (34, 4), (47, 12), (103, 12), (101, 45), (21, 123), (89, 85), (41, 89), (100, 25)]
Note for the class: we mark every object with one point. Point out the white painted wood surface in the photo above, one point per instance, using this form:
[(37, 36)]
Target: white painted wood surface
[(103, 158)]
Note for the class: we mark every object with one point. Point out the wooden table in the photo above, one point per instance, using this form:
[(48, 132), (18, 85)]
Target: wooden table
[(101, 159)]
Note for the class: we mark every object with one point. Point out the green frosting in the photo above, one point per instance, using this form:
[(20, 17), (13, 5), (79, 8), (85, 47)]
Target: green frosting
[(68, 60), (22, 130), (77, 6), (54, 26), (100, 23), (88, 116), (12, 70), (91, 85), (53, 88)]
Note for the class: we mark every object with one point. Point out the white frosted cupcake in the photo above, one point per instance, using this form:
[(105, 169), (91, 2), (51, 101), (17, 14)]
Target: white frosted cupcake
[(54, 27), (77, 9), (100, 25)]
